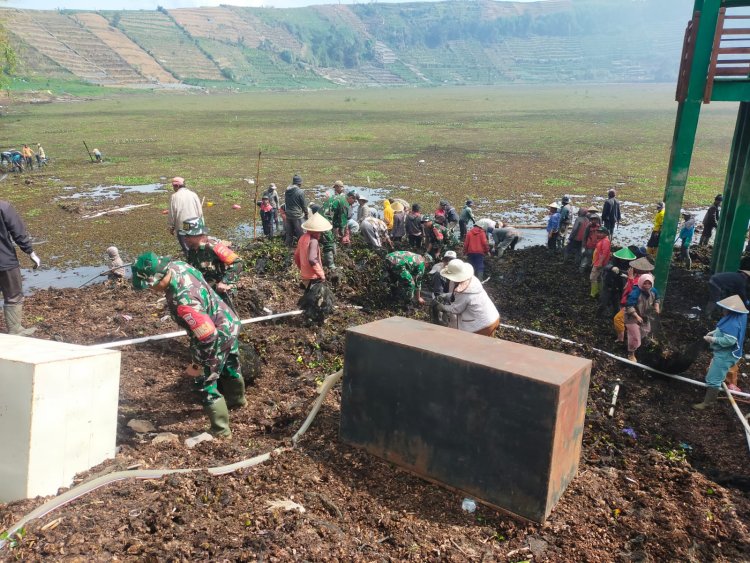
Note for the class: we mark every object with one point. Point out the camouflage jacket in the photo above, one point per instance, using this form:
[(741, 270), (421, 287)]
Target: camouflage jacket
[(336, 210), (211, 325), (217, 262), (409, 268)]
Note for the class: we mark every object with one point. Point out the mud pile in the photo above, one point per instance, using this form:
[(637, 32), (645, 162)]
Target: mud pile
[(649, 486)]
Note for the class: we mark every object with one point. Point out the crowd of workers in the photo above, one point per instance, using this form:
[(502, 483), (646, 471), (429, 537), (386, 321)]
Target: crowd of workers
[(417, 250), (17, 161)]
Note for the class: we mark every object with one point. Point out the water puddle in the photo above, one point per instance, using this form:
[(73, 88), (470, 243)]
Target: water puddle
[(113, 192), (34, 280)]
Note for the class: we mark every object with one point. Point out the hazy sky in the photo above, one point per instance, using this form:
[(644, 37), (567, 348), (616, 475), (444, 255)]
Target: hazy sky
[(152, 4)]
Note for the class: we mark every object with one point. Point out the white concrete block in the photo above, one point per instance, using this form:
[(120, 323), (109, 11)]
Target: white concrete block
[(58, 413)]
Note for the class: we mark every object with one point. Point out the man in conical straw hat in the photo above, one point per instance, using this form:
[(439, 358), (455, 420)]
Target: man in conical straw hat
[(308, 256), (726, 342)]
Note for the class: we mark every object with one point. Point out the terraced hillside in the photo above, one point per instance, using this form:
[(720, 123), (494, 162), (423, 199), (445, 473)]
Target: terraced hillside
[(125, 48), (172, 48), (368, 44)]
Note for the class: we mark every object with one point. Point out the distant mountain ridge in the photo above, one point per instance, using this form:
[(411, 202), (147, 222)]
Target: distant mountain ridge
[(425, 43)]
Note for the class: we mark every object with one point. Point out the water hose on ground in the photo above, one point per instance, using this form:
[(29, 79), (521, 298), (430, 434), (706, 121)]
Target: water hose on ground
[(620, 359), (99, 482), (741, 416)]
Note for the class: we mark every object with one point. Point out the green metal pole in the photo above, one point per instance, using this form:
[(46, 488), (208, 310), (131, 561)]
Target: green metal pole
[(735, 213), (683, 141)]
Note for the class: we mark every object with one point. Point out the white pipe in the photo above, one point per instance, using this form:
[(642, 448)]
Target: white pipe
[(620, 359), (94, 484), (614, 400), (741, 416), (178, 333)]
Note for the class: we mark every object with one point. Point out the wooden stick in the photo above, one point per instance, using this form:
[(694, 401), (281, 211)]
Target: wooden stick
[(88, 151), (255, 201)]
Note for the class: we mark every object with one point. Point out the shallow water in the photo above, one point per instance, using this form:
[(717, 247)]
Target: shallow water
[(113, 192), (44, 278)]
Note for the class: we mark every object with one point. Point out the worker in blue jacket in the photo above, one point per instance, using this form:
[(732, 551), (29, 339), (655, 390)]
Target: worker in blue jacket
[(726, 342)]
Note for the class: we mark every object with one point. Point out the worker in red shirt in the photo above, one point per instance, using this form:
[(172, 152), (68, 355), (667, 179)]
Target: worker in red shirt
[(476, 248)]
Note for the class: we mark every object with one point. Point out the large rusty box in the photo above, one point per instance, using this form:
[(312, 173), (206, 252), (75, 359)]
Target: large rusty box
[(500, 421)]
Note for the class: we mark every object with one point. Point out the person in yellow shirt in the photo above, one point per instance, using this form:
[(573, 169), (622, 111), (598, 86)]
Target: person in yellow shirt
[(653, 242), (28, 156), (388, 213)]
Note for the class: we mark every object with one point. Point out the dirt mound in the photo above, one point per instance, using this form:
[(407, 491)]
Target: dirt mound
[(647, 490)]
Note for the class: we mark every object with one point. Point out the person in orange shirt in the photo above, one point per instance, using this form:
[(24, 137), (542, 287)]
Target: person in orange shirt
[(317, 299), (28, 156)]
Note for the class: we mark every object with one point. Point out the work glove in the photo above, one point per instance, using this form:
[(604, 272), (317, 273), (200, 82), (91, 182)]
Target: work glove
[(709, 339), (441, 307), (35, 259)]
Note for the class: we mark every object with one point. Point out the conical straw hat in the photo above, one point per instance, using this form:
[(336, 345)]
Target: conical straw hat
[(733, 303), (642, 264), (317, 224), (397, 207)]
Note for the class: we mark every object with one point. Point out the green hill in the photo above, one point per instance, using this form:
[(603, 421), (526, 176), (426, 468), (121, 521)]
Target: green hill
[(425, 43)]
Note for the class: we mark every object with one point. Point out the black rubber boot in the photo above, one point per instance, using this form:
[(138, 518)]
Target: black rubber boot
[(218, 414), (234, 392), (712, 394)]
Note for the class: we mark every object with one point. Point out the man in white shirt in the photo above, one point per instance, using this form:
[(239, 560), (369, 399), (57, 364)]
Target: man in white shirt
[(184, 204)]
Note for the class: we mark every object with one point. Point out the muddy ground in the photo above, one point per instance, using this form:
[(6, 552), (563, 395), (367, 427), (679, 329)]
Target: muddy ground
[(675, 487)]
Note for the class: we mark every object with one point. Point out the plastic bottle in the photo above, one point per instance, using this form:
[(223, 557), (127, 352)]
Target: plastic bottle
[(468, 505)]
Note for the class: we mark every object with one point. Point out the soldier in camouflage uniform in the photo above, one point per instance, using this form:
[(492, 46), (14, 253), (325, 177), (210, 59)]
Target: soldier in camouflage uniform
[(212, 327), (336, 210), (406, 271), (219, 264), (436, 235)]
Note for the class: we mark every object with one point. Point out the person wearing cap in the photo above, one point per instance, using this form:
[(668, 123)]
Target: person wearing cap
[(184, 204), (476, 248), (575, 241), (468, 301), (116, 265), (13, 233), (653, 241), (414, 226), (388, 213), (364, 211), (336, 210), (642, 302), (686, 236), (439, 283), (611, 215), (726, 342), (375, 232), (553, 225), (295, 210), (466, 217), (505, 237), (212, 326), (600, 258), (566, 218), (267, 214), (220, 265), (637, 268), (614, 275), (41, 157), (97, 155), (406, 271), (590, 240), (711, 220), (451, 215), (398, 231), (435, 236), (273, 198), (723, 285)]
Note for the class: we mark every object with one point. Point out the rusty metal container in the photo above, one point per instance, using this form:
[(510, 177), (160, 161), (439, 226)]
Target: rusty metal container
[(500, 421)]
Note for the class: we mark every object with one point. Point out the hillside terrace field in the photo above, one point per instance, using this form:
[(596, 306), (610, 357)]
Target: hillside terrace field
[(495, 145)]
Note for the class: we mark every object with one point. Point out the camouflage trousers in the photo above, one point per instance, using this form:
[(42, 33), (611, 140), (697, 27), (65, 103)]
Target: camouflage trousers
[(207, 384)]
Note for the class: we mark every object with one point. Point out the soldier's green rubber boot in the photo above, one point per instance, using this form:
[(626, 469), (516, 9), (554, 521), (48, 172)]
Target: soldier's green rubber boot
[(218, 414), (712, 394), (234, 392), (13, 319)]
